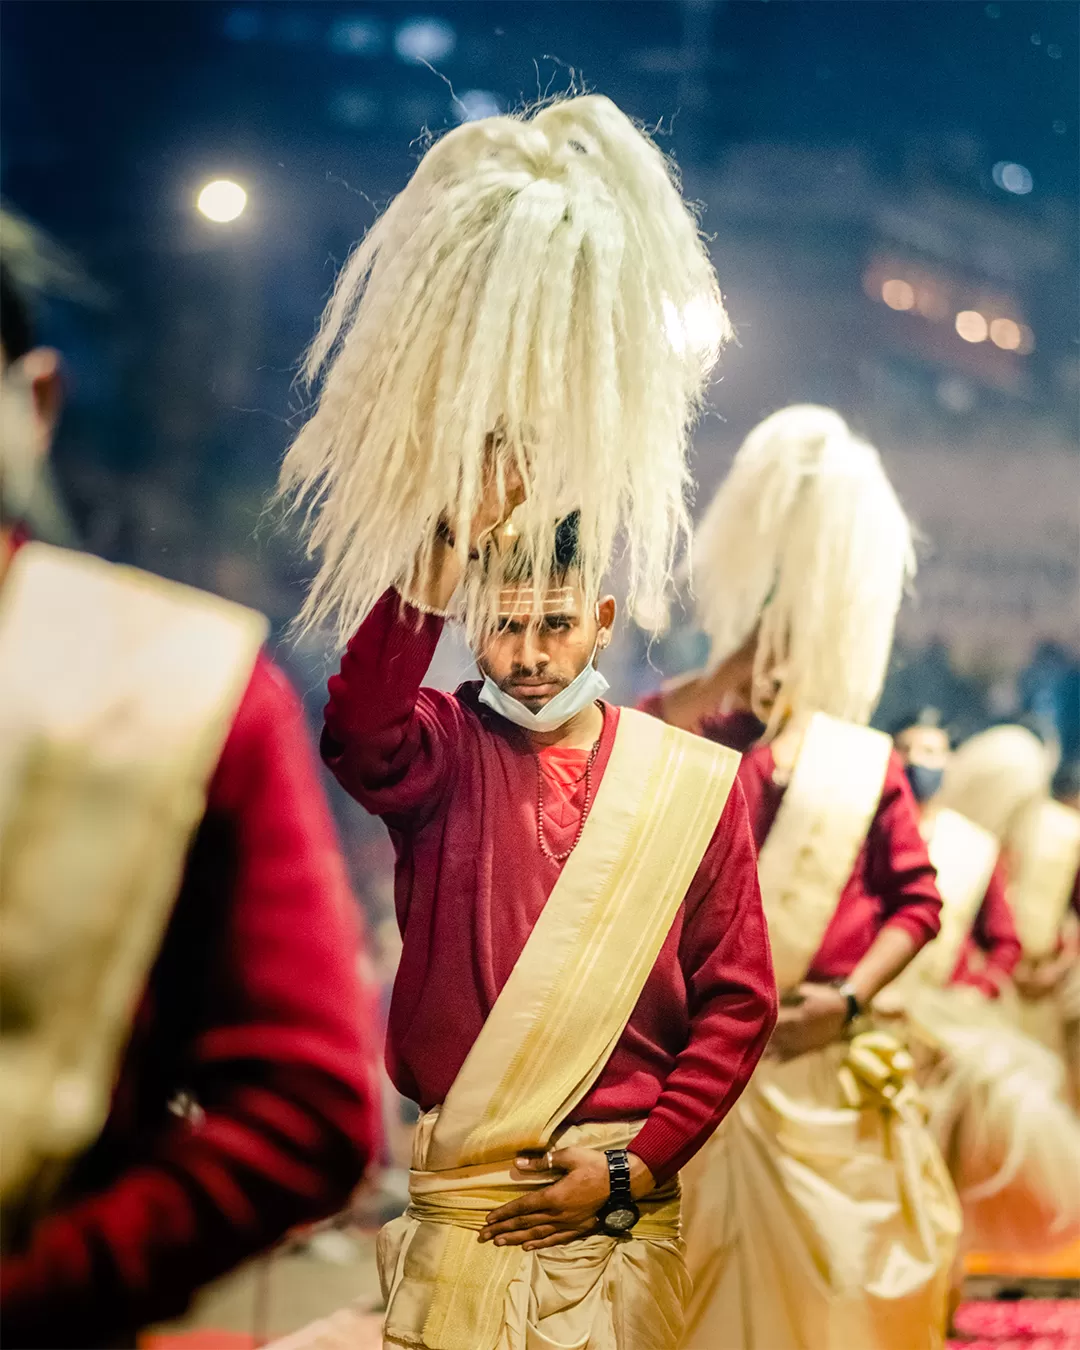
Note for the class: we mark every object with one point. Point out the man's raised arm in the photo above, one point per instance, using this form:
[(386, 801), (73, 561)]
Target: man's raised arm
[(386, 739), (389, 742)]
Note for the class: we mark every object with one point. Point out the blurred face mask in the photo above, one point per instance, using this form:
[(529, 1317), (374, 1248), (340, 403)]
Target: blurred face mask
[(925, 782)]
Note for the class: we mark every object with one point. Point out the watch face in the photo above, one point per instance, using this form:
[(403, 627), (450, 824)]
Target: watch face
[(620, 1220)]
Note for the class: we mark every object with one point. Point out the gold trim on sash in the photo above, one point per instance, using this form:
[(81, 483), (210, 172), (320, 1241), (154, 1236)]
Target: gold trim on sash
[(117, 690), (810, 850), (568, 999), (964, 855), (1044, 856)]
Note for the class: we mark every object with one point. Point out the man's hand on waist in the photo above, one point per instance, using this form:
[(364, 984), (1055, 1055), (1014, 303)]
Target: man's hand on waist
[(568, 1208), (810, 1019)]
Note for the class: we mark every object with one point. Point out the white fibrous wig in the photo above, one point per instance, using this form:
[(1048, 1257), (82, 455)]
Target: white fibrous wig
[(538, 301), (806, 542), (995, 776)]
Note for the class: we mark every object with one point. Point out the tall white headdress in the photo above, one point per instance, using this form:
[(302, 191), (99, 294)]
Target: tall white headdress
[(996, 775), (806, 541), (539, 288)]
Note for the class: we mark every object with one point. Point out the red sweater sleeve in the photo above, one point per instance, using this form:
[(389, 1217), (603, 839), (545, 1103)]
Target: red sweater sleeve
[(387, 741), (994, 934), (899, 868), (731, 991), (257, 980)]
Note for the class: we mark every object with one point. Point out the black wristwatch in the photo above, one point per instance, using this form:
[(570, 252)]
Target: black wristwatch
[(619, 1213), (854, 1008)]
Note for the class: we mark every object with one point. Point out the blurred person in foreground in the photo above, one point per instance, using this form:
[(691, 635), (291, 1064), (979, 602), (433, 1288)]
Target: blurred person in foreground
[(1002, 779), (184, 1067), (997, 1097), (584, 985), (821, 1213)]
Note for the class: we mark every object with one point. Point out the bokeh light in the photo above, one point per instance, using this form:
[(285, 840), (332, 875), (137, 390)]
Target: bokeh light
[(474, 104), (425, 41), (898, 294), (357, 35), (1005, 333), (222, 201), (1012, 178), (972, 326)]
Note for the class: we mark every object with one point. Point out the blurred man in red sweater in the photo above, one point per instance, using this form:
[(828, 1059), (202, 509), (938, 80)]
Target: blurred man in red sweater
[(820, 1213), (978, 942), (996, 1096), (184, 1057)]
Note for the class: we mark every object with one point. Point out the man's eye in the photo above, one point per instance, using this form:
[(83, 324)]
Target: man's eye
[(556, 625)]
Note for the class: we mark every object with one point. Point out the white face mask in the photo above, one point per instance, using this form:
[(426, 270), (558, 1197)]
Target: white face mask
[(584, 689)]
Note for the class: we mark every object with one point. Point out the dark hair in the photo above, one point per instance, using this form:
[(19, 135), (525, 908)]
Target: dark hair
[(564, 552), (922, 717), (16, 327)]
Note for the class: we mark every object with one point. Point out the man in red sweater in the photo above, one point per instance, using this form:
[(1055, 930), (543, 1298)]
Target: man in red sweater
[(821, 1212), (986, 947), (499, 802), (997, 1099), (186, 1048)]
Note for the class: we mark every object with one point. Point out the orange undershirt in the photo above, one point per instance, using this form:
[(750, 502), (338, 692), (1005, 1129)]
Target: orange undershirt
[(564, 794)]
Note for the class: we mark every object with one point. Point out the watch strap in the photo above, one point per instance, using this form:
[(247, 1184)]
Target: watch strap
[(847, 990), (618, 1161)]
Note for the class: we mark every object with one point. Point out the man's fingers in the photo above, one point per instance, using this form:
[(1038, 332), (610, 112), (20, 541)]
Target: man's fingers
[(513, 1225), (536, 1202), (555, 1240), (524, 1236)]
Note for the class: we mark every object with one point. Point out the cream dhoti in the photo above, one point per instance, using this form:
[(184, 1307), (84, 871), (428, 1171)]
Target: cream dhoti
[(599, 1292), (998, 1110), (815, 1225), (996, 1096), (821, 1215)]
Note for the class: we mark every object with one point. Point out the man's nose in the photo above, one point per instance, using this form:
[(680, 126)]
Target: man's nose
[(532, 654)]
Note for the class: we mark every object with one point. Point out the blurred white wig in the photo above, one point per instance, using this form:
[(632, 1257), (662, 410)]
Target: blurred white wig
[(995, 776), (805, 541), (539, 288)]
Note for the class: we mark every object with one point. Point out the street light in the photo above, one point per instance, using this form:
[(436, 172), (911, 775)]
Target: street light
[(222, 200)]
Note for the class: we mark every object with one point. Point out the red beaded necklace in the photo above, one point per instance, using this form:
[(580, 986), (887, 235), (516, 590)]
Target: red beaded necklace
[(545, 847)]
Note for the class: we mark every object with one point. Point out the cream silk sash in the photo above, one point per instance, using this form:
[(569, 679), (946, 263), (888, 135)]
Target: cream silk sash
[(117, 690), (964, 855), (811, 849), (569, 997), (1044, 854)]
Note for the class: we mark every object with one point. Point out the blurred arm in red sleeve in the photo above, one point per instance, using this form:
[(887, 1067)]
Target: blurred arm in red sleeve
[(993, 936), (253, 1010)]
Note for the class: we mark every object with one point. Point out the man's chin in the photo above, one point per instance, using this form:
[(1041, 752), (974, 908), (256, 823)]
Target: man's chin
[(533, 701)]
